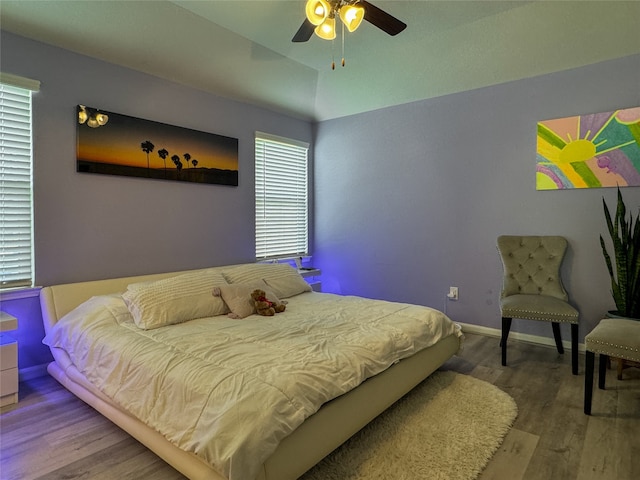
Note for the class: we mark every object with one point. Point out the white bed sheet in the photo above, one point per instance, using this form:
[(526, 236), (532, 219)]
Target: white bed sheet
[(229, 390)]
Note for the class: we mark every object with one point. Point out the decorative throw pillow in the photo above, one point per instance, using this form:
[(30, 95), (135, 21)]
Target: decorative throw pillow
[(284, 280), (238, 297), (175, 299)]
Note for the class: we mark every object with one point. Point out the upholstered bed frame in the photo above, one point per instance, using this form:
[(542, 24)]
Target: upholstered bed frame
[(320, 434)]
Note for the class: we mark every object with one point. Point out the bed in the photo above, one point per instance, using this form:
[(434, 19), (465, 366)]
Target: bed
[(146, 350)]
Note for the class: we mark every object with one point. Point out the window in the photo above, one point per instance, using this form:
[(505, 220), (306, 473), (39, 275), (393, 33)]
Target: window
[(282, 204), (15, 181)]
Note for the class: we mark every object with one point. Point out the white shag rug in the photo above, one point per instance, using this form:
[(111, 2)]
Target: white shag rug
[(447, 428)]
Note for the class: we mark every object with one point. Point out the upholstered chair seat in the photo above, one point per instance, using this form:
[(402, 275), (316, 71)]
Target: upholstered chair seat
[(538, 307), (612, 337), (532, 288)]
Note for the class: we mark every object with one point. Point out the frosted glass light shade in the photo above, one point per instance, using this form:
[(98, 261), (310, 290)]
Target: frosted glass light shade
[(317, 11), (351, 16), (327, 29)]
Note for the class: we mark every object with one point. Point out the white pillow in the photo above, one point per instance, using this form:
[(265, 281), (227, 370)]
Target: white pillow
[(238, 297), (175, 299), (284, 280)]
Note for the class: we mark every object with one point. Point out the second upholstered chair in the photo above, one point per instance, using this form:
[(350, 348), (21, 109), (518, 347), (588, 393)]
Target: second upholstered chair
[(532, 288), (612, 337)]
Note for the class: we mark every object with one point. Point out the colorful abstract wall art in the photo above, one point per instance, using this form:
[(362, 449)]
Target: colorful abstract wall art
[(589, 151), (115, 144)]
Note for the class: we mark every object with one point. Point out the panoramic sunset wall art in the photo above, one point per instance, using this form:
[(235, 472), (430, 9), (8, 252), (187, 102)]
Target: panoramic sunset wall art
[(589, 151), (114, 144)]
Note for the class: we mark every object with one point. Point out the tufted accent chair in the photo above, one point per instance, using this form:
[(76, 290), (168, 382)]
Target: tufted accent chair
[(612, 337), (532, 288)]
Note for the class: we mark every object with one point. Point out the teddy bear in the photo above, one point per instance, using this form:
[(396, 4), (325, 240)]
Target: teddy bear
[(264, 306)]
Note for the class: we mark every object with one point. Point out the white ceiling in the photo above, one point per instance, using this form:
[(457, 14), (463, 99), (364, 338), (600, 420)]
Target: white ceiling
[(243, 50)]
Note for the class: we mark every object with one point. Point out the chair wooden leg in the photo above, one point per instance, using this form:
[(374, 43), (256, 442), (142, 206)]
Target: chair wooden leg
[(602, 370), (588, 381), (574, 348), (556, 334), (506, 326), (620, 367)]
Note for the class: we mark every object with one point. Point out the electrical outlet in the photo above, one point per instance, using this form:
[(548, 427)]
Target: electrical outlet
[(453, 293)]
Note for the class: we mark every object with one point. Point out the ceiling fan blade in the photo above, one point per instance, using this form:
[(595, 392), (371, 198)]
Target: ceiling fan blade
[(304, 32), (381, 19)]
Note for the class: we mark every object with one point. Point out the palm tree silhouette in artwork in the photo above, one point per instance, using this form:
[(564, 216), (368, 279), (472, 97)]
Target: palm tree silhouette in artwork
[(147, 147), (187, 157), (163, 155), (177, 163), (194, 162)]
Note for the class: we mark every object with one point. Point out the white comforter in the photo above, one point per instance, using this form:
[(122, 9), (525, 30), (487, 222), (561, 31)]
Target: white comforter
[(230, 390)]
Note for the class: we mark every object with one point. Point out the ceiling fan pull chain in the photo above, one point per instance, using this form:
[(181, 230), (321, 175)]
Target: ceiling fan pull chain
[(333, 59), (342, 44)]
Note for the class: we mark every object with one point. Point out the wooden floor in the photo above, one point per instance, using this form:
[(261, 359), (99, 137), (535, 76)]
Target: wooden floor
[(50, 434)]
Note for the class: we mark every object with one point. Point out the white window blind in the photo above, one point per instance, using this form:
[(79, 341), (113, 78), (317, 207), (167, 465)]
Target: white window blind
[(15, 182), (282, 204)]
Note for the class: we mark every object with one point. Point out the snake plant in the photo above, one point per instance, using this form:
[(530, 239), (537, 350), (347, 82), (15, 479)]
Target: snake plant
[(625, 281)]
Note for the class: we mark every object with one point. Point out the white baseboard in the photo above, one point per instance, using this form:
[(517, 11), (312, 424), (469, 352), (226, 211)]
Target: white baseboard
[(523, 337), (32, 372)]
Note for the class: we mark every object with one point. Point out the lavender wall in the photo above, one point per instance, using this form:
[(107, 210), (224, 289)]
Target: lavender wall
[(410, 199), (89, 226), (98, 226)]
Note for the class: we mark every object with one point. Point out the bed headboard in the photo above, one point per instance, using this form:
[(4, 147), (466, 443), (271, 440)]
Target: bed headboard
[(58, 300)]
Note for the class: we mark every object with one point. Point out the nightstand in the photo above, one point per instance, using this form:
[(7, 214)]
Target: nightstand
[(311, 276), (8, 360)]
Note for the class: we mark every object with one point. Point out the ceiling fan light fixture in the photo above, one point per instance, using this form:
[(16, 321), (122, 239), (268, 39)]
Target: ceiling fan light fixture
[(101, 118), (352, 16), (327, 29), (92, 122), (91, 117), (82, 114), (317, 11)]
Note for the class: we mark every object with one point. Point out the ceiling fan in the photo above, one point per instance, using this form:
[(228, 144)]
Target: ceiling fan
[(321, 17)]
